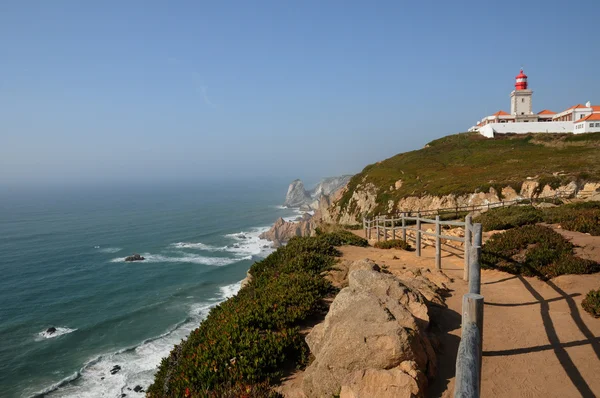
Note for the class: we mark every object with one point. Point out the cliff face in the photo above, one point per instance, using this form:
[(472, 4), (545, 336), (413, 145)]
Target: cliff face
[(468, 169), (364, 199), (282, 231), (298, 196)]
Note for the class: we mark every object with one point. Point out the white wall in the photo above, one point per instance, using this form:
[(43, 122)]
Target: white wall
[(523, 128), (586, 128)]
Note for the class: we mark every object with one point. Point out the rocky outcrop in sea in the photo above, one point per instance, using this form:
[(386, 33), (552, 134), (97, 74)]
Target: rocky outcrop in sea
[(282, 230)]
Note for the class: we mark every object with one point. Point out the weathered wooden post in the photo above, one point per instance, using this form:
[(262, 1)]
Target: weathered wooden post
[(438, 243), (393, 228), (365, 227), (377, 227), (468, 360), (474, 264), (385, 227), (418, 235), (370, 227), (467, 247), (403, 227)]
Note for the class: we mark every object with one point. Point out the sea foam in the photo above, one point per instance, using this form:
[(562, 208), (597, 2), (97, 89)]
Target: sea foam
[(59, 332), (184, 258), (138, 364)]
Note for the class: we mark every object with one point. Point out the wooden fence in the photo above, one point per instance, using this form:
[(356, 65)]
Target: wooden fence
[(399, 227), (468, 359), (468, 362)]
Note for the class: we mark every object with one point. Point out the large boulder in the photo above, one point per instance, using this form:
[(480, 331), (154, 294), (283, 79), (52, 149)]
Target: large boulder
[(375, 330)]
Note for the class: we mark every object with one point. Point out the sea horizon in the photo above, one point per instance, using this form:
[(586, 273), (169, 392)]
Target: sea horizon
[(63, 264)]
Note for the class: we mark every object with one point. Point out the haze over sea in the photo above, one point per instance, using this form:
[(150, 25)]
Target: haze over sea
[(62, 265)]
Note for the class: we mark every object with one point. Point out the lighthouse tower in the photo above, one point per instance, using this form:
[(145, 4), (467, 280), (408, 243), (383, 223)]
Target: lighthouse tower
[(520, 100)]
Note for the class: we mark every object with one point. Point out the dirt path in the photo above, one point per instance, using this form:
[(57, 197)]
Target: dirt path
[(538, 342)]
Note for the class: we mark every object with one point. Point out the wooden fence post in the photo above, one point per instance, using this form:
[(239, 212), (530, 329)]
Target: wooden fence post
[(365, 227), (438, 243), (393, 228), (403, 227), (370, 227), (377, 227), (468, 361), (468, 226), (418, 235), (385, 227), (474, 264)]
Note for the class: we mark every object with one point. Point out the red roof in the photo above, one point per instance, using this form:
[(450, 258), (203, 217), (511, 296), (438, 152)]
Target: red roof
[(521, 75), (546, 112), (595, 108), (501, 113), (593, 116)]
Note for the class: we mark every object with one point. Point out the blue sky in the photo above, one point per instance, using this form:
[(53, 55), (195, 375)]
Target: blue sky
[(152, 91)]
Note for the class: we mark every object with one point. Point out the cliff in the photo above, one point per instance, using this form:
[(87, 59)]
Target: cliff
[(298, 196), (282, 231), (468, 169)]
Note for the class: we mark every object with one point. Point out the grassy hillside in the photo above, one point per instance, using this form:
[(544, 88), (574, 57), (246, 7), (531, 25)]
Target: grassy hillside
[(468, 162)]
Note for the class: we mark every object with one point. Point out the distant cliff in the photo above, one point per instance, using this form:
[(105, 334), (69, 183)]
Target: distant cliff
[(298, 196)]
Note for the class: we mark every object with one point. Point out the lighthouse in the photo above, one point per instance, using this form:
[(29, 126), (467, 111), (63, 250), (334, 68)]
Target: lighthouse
[(520, 100)]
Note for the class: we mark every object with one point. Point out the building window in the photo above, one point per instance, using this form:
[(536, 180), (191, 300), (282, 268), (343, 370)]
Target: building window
[(591, 124), (522, 99)]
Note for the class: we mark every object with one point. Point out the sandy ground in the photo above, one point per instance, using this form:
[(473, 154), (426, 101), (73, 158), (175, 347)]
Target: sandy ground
[(537, 340)]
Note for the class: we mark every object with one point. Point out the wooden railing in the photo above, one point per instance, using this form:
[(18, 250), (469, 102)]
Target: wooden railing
[(469, 358), (385, 228)]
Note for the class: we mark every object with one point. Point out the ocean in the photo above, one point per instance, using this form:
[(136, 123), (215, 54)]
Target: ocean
[(62, 265)]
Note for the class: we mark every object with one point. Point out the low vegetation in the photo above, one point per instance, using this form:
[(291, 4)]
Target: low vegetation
[(393, 244), (508, 217), (580, 217), (468, 162), (341, 237), (591, 303), (246, 342), (534, 250)]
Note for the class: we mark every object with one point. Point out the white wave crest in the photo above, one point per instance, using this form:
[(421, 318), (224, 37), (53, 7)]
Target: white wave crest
[(58, 332), (137, 364), (198, 245), (248, 242), (184, 258), (108, 249)]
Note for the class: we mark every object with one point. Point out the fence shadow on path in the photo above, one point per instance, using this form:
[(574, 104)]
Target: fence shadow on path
[(444, 322), (555, 344)]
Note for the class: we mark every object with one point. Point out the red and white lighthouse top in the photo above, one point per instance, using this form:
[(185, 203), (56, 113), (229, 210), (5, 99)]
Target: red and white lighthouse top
[(521, 81)]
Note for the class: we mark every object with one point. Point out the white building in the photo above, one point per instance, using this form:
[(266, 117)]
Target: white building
[(522, 120)]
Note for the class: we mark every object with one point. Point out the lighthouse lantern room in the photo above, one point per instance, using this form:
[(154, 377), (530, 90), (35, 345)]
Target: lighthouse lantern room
[(520, 99)]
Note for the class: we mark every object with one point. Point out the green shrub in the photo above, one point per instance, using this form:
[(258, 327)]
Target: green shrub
[(393, 244), (247, 342), (342, 237), (534, 250), (591, 303), (580, 217), (352, 227), (508, 217)]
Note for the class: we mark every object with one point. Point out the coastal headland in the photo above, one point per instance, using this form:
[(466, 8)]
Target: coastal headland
[(330, 314)]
